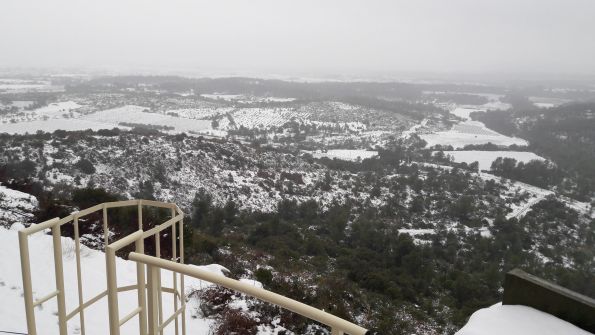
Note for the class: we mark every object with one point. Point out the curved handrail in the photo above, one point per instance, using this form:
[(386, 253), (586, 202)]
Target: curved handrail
[(337, 324)]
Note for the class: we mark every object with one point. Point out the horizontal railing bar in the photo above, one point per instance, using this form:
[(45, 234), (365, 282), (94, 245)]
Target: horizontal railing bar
[(114, 204), (259, 293), (34, 228), (130, 316), (97, 297), (171, 290), (46, 298), (162, 226), (121, 243), (88, 211), (171, 318), (124, 203), (66, 219)]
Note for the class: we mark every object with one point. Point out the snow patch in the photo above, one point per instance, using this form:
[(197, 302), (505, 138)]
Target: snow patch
[(517, 320)]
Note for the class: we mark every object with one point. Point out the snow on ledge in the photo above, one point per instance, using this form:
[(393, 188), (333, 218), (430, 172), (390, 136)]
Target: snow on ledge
[(517, 320)]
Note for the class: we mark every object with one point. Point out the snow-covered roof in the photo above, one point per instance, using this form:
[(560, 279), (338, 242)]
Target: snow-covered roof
[(517, 320)]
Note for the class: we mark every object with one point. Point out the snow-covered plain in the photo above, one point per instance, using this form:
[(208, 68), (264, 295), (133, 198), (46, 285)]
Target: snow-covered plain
[(469, 132), (54, 110), (136, 114), (517, 320), (485, 158), (106, 119), (545, 102)]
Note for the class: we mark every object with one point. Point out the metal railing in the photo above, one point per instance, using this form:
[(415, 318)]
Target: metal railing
[(149, 290)]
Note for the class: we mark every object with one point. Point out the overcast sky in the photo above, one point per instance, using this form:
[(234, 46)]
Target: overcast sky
[(308, 36)]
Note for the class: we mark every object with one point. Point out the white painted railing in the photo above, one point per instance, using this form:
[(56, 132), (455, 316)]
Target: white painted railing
[(149, 289)]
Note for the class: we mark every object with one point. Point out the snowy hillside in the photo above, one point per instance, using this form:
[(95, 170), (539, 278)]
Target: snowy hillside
[(15, 206)]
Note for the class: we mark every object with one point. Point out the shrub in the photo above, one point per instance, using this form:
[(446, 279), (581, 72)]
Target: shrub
[(85, 166)]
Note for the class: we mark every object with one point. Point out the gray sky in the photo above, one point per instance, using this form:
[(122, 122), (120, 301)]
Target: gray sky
[(307, 36)]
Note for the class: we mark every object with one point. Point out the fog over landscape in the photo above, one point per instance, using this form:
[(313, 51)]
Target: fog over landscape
[(352, 38)]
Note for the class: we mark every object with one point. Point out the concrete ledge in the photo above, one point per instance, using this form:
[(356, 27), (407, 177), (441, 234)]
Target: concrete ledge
[(521, 288)]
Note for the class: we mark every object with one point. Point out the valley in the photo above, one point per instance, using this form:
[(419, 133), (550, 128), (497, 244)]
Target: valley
[(409, 196)]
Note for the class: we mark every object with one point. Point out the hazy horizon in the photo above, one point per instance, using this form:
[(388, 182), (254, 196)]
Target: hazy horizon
[(517, 39)]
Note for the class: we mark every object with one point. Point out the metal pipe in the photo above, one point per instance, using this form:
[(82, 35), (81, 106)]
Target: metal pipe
[(77, 246), (46, 298), (310, 312), (105, 228), (112, 290), (158, 279), (27, 287), (124, 241), (129, 316), (182, 287), (140, 286), (34, 228), (174, 259), (153, 299), (59, 274), (162, 227)]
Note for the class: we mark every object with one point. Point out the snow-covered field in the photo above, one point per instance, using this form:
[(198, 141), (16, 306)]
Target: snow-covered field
[(12, 310), (345, 154), (464, 113), (485, 158), (517, 320), (545, 102), (57, 109), (106, 119), (136, 114), (470, 132)]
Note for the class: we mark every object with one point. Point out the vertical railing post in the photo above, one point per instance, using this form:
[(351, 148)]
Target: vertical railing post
[(153, 299), (140, 215), (182, 288), (112, 291), (77, 248), (174, 259), (105, 228), (141, 287), (158, 279), (59, 269), (27, 286), (336, 331)]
